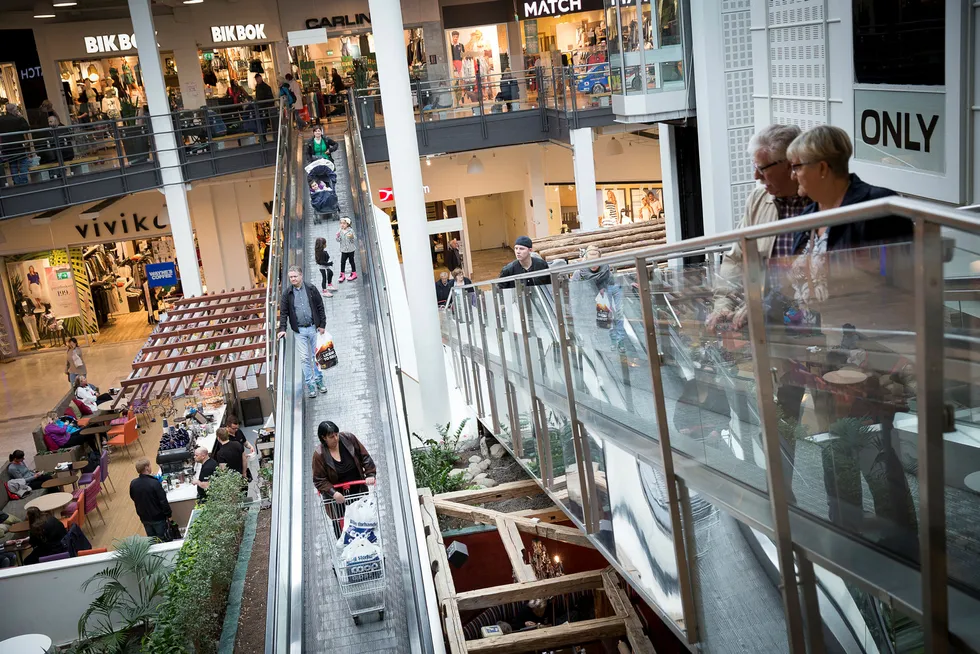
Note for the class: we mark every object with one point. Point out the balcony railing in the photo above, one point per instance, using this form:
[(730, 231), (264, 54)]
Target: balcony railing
[(828, 408), (47, 169)]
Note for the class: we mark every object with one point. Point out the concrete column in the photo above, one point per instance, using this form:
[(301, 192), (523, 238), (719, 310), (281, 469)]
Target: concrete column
[(534, 191), (406, 180), (166, 146), (467, 250), (220, 237), (671, 197), (583, 165), (516, 52), (190, 75)]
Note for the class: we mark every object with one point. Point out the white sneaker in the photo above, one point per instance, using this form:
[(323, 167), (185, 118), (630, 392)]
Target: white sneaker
[(327, 293)]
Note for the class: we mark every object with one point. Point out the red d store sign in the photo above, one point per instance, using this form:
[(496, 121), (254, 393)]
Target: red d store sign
[(386, 195)]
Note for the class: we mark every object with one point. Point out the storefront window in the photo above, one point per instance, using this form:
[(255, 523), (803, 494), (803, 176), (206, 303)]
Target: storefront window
[(230, 72), (112, 88), (900, 42), (645, 47), (9, 85)]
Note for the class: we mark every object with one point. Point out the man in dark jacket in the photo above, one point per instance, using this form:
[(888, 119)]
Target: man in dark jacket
[(262, 90), (524, 263), (444, 289), (302, 307), (14, 149), (151, 502)]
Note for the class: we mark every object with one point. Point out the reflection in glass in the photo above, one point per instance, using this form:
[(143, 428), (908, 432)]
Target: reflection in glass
[(670, 27)]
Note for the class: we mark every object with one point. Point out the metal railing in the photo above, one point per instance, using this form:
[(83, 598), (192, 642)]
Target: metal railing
[(53, 168), (856, 342), (277, 226), (422, 610)]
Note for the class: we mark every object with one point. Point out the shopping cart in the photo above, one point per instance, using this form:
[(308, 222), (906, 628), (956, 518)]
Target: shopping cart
[(362, 583)]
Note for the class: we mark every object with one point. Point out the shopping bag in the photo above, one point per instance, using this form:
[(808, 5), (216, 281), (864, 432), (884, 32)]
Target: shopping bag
[(361, 520), (362, 561), (603, 311), (325, 355)]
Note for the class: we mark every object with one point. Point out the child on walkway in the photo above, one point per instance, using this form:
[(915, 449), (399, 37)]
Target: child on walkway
[(323, 261), (348, 243)]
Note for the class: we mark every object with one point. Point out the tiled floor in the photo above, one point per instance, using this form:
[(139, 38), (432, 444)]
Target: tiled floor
[(32, 384), (487, 263), (353, 404)]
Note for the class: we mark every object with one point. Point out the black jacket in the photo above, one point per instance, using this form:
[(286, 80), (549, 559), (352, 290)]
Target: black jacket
[(150, 499), (331, 147), (515, 268), (860, 234), (287, 310), (443, 291), (322, 258), (13, 146), (263, 92)]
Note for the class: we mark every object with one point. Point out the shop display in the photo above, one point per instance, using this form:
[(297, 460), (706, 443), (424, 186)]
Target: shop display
[(229, 73)]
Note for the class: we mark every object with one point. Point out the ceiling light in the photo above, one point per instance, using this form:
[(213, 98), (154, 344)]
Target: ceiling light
[(614, 148), (474, 167), (193, 2), (65, 3), (94, 77), (428, 162)]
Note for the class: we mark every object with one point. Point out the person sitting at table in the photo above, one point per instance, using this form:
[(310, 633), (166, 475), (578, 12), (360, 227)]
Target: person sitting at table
[(17, 469), (59, 434), (150, 499), (47, 535), (89, 393), (208, 467)]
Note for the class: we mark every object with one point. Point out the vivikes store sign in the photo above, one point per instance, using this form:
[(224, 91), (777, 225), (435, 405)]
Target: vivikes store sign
[(103, 43)]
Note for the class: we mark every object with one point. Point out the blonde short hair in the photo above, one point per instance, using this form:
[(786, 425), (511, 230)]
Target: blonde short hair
[(142, 464), (823, 143)]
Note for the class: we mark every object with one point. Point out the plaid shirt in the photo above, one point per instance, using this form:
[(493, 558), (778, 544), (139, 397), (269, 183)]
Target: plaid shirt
[(790, 207)]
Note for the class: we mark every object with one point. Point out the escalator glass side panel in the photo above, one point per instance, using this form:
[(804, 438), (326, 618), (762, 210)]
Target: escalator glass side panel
[(961, 394), (840, 340)]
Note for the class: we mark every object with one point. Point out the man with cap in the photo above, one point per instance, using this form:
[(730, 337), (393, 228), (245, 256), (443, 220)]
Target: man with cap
[(525, 263)]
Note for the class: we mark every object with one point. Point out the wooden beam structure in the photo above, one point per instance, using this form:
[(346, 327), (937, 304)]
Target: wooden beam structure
[(477, 515), (546, 638), (621, 603), (520, 592), (506, 491), (514, 547), (207, 339), (442, 575), (548, 514)]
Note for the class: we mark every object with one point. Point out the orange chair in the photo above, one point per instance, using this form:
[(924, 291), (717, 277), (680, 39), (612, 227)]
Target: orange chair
[(78, 516), (118, 429), (100, 550), (127, 436)]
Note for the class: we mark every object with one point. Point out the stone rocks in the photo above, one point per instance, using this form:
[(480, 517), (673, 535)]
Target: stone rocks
[(476, 458), (487, 483), (484, 448), (497, 451), (485, 464)]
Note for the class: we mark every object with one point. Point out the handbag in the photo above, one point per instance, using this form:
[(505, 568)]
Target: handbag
[(173, 531), (602, 311)]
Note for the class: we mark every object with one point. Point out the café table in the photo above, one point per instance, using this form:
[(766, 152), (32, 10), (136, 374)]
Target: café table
[(26, 644), (97, 430), (20, 527), (103, 418), (51, 502), (107, 406), (18, 547), (61, 482)]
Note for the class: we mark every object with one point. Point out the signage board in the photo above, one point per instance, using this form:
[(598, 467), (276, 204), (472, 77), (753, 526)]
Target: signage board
[(61, 291), (161, 274), (110, 43), (527, 9), (901, 128), (386, 195), (334, 22), (248, 32)]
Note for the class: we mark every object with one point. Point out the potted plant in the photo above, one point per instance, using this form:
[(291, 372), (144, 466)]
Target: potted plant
[(365, 102), (133, 134)]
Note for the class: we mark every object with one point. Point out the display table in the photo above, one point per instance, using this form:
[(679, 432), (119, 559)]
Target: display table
[(26, 644)]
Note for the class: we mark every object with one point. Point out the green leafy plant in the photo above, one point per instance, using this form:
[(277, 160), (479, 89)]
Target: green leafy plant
[(193, 611), (130, 592), (433, 461)]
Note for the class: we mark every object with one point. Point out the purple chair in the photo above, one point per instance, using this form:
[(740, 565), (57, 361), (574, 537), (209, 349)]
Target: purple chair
[(92, 495), (53, 557), (103, 471)]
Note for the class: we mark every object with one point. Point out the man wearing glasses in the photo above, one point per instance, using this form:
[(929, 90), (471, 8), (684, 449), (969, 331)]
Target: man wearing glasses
[(776, 199)]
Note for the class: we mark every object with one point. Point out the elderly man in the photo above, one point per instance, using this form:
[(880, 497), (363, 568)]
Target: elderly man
[(150, 499), (302, 307), (777, 199)]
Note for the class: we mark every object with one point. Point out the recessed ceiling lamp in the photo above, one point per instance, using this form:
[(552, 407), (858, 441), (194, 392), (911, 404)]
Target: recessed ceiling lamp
[(43, 10), (614, 148), (474, 167), (193, 2), (65, 3)]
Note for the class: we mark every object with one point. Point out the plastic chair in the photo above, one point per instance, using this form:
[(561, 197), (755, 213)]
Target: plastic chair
[(74, 517), (92, 496), (100, 550), (95, 480), (53, 557), (86, 478), (128, 436)]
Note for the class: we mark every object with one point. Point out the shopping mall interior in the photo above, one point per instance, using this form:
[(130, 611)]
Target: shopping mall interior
[(584, 327)]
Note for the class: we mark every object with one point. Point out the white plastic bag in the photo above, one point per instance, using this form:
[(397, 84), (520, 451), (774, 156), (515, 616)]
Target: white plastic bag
[(360, 521), (325, 354)]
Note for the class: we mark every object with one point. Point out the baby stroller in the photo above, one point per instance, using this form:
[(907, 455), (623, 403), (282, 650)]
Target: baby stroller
[(322, 180)]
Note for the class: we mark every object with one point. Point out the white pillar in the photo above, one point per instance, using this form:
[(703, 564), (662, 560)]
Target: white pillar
[(583, 166), (534, 191), (166, 146), (406, 181), (515, 50), (671, 196)]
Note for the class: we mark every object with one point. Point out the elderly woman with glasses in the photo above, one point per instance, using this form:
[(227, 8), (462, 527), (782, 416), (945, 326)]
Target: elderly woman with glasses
[(819, 161)]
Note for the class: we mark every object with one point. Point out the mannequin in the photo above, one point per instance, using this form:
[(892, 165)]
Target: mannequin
[(111, 106), (25, 308)]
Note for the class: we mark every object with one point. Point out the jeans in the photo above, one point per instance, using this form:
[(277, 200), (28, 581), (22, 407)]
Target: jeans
[(159, 529), (19, 170), (306, 339), (71, 378)]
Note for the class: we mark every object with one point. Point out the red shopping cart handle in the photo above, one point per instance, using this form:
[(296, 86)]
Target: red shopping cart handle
[(359, 482)]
